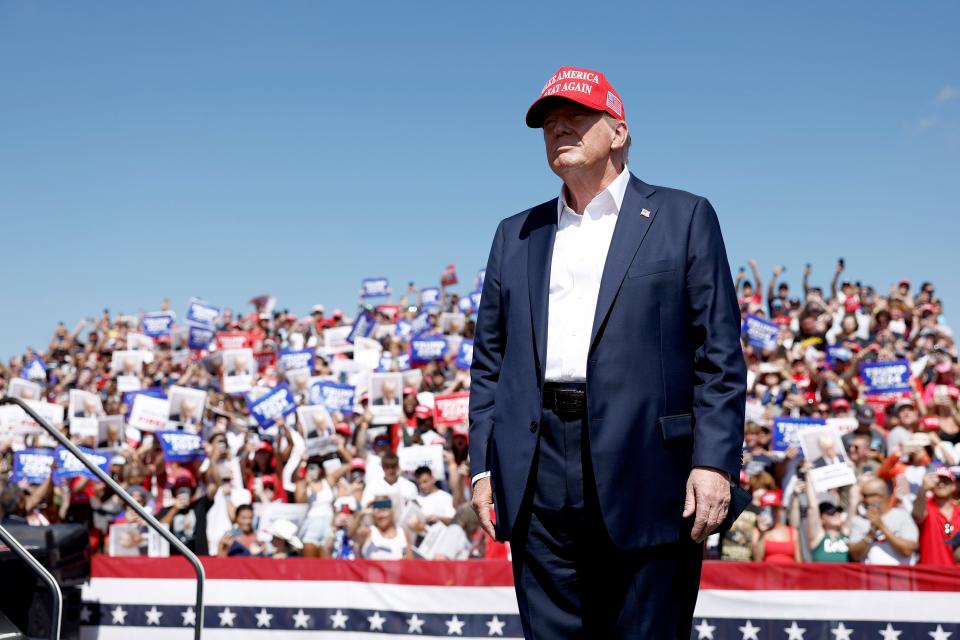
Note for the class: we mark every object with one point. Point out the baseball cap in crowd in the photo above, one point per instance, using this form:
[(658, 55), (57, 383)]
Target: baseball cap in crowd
[(358, 463), (905, 283), (264, 446), (337, 313), (839, 404), (944, 472), (343, 428), (930, 423), (583, 86), (317, 308), (409, 391), (771, 498), (901, 403), (865, 414)]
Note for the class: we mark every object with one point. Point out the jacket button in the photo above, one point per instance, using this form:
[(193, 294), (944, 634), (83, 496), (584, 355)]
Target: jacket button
[(533, 427)]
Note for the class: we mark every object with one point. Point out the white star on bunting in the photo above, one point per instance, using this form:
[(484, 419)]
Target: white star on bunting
[(940, 634), (749, 631), (705, 630), (85, 614), (227, 617), (119, 616), (376, 621), (841, 632), (794, 631), (496, 626), (454, 626), (890, 633), (415, 624), (301, 620), (339, 620), (153, 616), (189, 617), (264, 618)]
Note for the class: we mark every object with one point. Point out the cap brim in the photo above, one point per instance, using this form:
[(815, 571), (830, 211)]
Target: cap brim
[(539, 108)]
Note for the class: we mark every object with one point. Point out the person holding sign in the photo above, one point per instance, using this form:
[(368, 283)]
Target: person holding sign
[(607, 354)]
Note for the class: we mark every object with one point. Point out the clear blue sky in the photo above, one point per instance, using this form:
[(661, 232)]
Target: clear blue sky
[(228, 149)]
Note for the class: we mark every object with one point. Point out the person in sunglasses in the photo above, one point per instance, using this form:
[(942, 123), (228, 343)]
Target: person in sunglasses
[(936, 513)]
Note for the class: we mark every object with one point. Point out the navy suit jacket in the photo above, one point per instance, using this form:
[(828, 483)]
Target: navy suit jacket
[(666, 379)]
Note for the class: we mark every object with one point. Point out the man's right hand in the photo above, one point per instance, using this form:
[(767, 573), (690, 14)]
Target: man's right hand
[(483, 503)]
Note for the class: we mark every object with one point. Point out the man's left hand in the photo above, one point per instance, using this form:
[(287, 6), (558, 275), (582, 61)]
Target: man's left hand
[(708, 497)]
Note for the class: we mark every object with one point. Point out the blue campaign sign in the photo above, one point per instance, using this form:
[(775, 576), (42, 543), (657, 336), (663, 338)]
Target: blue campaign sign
[(202, 313), (335, 397), (69, 467), (837, 352), (760, 333), (429, 296), (180, 446), (32, 465), (481, 276), (199, 338), (386, 362), (290, 360), (465, 305), (475, 299), (375, 287), (786, 430), (420, 324), (427, 349), (157, 323), (403, 361), (36, 369), (270, 406), (404, 328), (885, 377), (362, 326), (465, 355)]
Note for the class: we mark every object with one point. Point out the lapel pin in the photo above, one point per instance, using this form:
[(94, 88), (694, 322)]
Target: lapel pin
[(645, 213)]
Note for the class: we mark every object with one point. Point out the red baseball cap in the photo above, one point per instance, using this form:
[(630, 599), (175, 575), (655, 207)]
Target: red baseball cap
[(771, 498), (583, 86)]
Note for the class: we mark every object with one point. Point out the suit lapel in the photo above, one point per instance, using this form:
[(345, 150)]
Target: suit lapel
[(543, 232), (632, 225)]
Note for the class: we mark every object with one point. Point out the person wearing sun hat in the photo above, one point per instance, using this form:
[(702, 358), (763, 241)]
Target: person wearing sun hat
[(613, 280)]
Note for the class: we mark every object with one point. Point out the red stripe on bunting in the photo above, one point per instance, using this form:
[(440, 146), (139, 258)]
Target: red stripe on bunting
[(495, 573)]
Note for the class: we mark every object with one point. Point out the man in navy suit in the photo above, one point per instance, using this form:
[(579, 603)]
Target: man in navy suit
[(607, 384)]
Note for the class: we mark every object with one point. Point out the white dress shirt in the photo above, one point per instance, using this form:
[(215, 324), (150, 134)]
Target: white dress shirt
[(579, 253)]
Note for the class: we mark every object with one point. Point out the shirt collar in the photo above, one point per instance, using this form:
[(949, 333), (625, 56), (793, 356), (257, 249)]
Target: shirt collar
[(615, 190)]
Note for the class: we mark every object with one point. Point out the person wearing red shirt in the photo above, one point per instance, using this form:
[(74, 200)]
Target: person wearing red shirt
[(938, 517)]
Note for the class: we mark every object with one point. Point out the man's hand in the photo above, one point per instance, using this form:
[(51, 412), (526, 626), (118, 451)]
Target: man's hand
[(708, 496), (482, 503)]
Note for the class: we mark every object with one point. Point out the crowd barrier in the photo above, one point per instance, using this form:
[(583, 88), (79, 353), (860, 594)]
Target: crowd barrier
[(150, 598)]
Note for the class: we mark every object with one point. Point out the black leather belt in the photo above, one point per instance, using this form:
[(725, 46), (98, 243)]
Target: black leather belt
[(565, 398)]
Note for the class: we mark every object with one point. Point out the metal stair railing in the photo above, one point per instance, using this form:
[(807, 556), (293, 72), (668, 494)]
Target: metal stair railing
[(45, 575), (123, 495)]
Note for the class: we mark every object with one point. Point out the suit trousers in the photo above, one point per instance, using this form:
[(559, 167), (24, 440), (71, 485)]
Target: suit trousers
[(571, 580)]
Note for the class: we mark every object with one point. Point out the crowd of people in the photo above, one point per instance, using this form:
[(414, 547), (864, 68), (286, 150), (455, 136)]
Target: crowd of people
[(877, 484)]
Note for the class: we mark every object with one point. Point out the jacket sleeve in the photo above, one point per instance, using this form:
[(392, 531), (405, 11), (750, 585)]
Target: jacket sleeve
[(488, 342), (720, 375)]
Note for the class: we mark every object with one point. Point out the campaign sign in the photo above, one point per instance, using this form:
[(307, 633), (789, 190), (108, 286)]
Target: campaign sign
[(390, 311), (427, 349), (451, 408), (271, 405), (375, 287), (422, 455), (68, 466), (227, 340), (180, 446), (465, 355), (290, 360), (429, 295), (202, 313), (449, 275), (481, 276), (149, 413), (404, 329), (199, 338), (786, 430), (32, 465), (130, 396), (465, 305), (362, 326), (475, 299), (335, 397), (420, 324), (157, 323), (403, 361), (885, 377), (760, 333), (34, 370), (837, 352)]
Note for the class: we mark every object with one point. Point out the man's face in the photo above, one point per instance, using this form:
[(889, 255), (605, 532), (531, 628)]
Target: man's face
[(576, 137), (245, 521), (424, 482), (391, 471), (944, 488)]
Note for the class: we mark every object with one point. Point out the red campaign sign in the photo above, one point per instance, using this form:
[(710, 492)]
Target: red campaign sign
[(265, 360), (880, 402), (389, 310), (256, 339), (449, 275), (233, 340), (451, 408)]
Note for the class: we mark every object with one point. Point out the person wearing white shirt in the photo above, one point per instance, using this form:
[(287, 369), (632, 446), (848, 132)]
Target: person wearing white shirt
[(391, 484)]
